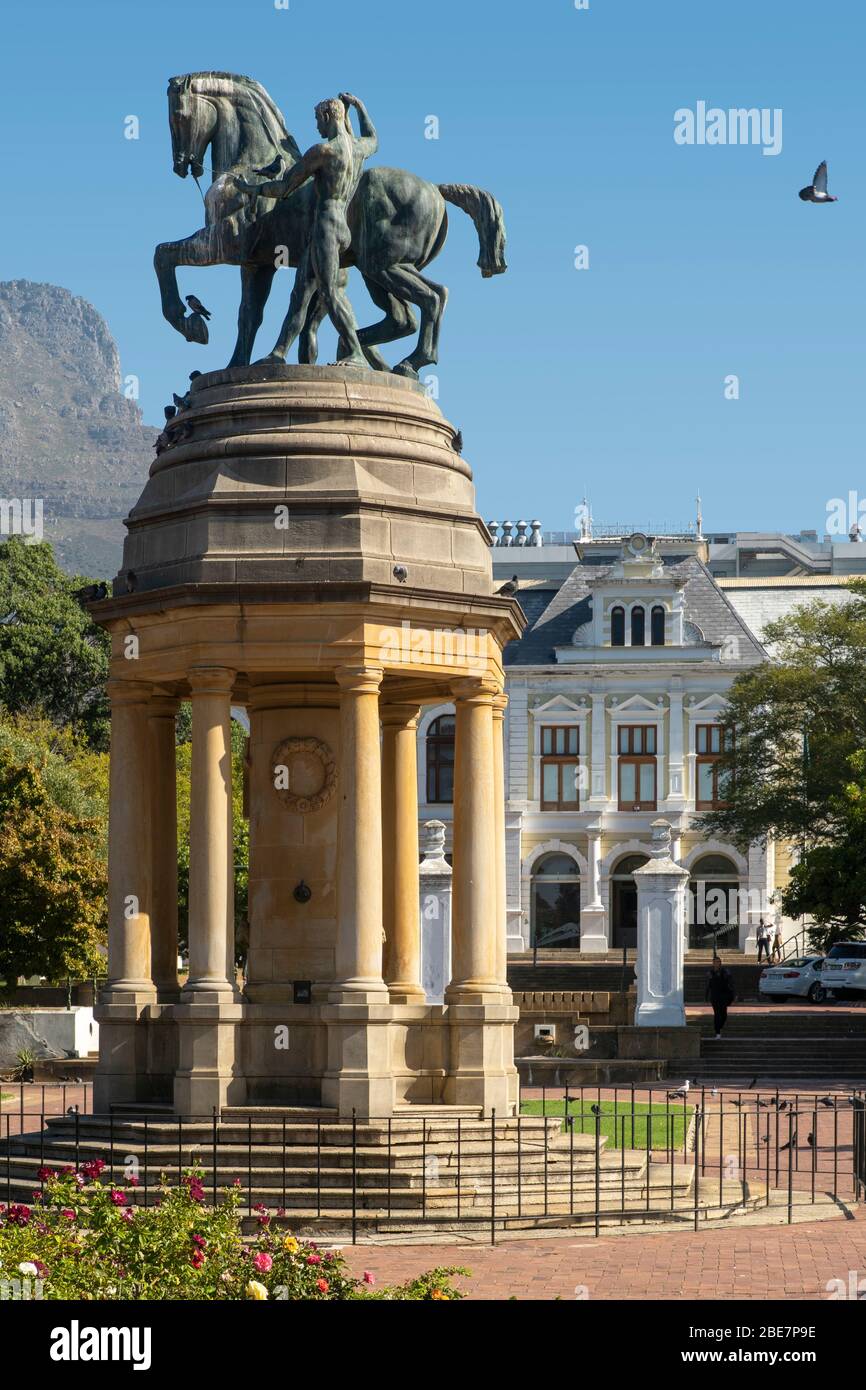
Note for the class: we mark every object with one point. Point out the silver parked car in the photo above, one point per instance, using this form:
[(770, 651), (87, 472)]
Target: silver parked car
[(801, 976)]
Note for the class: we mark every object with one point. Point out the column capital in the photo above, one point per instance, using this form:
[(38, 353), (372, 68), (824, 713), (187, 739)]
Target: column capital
[(133, 692), (163, 707), (500, 705), (476, 689), (211, 680), (401, 716), (359, 680)]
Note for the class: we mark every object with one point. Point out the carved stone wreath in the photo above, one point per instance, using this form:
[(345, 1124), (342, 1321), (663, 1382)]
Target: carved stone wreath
[(314, 764)]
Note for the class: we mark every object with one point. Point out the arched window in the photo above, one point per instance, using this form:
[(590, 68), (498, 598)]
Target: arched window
[(555, 911), (617, 627), (623, 897), (657, 626), (638, 627), (714, 903), (440, 760)]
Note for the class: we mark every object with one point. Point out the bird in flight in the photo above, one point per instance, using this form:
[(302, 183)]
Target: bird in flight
[(197, 307), (816, 191)]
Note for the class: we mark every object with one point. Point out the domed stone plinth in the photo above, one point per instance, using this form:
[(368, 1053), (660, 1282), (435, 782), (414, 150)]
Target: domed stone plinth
[(299, 475), (307, 546)]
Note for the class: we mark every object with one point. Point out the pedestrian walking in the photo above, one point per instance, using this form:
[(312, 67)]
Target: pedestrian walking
[(720, 992), (777, 941), (763, 941)]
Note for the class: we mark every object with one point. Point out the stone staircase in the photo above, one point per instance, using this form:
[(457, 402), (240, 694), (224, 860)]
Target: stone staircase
[(434, 1168), (606, 973), (798, 1045)]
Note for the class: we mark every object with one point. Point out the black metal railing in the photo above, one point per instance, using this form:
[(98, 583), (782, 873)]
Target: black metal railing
[(590, 1156)]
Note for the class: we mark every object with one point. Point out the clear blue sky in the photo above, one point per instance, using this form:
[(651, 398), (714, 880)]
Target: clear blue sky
[(702, 260)]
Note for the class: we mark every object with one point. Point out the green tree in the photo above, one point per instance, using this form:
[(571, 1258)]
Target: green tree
[(52, 881), (53, 659), (798, 726)]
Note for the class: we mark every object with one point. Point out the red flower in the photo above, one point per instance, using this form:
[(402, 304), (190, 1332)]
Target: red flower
[(93, 1168), (314, 1259), (68, 1213), (197, 1259), (118, 1198), (263, 1262), (322, 1285), (199, 1241), (133, 1180), (45, 1174), (18, 1214)]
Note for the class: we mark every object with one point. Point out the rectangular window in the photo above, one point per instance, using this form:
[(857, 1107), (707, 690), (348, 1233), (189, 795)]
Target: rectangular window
[(637, 784), (711, 780), (637, 738), (560, 768)]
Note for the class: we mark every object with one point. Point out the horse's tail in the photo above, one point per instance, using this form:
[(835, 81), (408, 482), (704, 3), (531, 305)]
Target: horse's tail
[(489, 223)]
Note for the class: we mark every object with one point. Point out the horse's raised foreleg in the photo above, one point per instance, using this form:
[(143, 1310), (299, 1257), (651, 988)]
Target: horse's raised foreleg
[(193, 250), (256, 283)]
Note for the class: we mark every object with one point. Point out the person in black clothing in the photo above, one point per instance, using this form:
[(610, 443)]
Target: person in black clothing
[(720, 992)]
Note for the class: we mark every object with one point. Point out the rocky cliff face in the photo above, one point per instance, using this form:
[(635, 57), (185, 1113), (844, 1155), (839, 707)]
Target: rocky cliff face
[(67, 435)]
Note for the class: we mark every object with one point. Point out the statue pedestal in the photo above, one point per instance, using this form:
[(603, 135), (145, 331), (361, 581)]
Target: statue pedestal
[(308, 549)]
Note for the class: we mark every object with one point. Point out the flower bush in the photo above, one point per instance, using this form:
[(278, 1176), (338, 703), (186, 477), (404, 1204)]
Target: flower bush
[(85, 1240)]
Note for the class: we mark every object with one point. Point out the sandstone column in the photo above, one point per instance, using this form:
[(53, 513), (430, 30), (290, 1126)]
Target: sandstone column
[(402, 945), (359, 1077), (474, 954), (211, 868), (359, 886), (121, 1071), (129, 868), (480, 1015), (163, 821), (500, 703)]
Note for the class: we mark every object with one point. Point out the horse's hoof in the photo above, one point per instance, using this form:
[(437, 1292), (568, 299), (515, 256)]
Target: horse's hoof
[(273, 359), (194, 329), (405, 369)]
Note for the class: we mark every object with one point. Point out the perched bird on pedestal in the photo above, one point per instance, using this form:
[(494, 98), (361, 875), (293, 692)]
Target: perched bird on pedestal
[(509, 589), (816, 191), (197, 306)]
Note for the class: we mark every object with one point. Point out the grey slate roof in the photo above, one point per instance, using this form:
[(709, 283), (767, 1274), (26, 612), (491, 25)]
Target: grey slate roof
[(554, 623)]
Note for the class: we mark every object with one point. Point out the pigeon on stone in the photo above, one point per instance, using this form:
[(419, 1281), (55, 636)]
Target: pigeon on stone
[(791, 1144), (197, 306), (810, 1140), (458, 442), (91, 593), (828, 1101), (681, 1090), (401, 574), (816, 191), (509, 589), (182, 402)]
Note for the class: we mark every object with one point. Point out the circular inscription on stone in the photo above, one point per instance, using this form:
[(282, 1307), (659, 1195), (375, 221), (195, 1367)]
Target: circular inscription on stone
[(310, 776)]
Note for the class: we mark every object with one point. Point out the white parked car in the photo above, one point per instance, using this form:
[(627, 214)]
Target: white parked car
[(802, 976), (845, 967)]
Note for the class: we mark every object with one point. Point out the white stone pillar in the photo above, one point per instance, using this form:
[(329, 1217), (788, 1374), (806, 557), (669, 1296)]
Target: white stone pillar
[(211, 851), (676, 772), (598, 790), (593, 933), (434, 878), (661, 890), (500, 703)]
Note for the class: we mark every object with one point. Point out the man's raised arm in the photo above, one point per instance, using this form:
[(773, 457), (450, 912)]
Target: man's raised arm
[(368, 140)]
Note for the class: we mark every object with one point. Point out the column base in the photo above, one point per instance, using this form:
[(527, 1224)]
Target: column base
[(359, 1079), (482, 1069), (400, 993), (667, 1014), (122, 1066), (208, 1051), (593, 934)]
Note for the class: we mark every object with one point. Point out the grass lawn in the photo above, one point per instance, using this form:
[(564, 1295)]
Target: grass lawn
[(666, 1124)]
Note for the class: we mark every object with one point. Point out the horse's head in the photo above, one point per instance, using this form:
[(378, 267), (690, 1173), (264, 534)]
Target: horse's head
[(192, 119)]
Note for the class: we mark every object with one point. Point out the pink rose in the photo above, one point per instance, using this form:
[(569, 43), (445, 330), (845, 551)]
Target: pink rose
[(263, 1262)]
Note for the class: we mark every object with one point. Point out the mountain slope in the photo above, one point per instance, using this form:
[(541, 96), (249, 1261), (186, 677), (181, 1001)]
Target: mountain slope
[(67, 435)]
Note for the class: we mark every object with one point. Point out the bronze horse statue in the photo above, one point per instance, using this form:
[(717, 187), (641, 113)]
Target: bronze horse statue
[(398, 223)]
